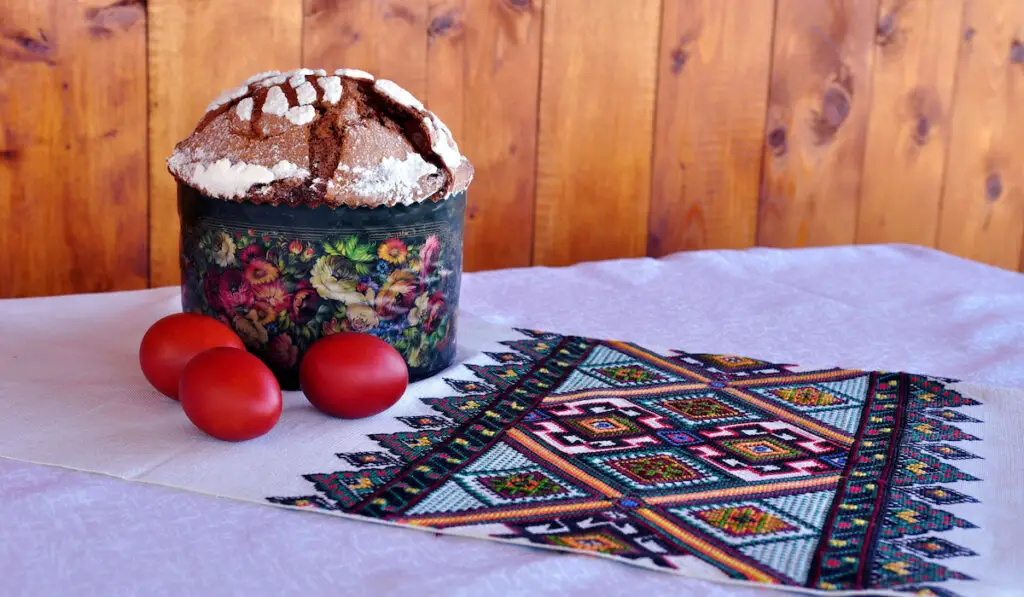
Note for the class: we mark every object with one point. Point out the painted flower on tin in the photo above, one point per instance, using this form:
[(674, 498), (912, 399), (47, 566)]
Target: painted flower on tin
[(223, 249), (281, 294), (393, 251)]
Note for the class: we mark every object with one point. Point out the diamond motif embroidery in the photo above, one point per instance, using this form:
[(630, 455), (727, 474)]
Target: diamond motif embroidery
[(947, 414), (655, 469), (600, 542), (807, 396), (762, 449), (829, 479), (941, 496), (529, 484), (515, 486), (728, 361), (369, 459), (695, 410), (702, 409), (948, 451), (936, 547), (630, 374), (424, 422), (603, 426), (678, 437), (744, 521)]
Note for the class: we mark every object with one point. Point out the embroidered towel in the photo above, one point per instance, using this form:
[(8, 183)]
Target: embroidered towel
[(720, 467)]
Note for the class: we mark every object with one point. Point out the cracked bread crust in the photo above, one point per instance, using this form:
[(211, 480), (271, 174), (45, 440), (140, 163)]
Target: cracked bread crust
[(311, 138)]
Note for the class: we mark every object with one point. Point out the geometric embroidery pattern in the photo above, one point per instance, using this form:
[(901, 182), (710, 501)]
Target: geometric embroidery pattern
[(948, 452), (741, 522), (935, 547), (701, 409), (652, 470), (369, 459), (629, 374), (695, 409), (522, 485), (807, 396), (829, 479)]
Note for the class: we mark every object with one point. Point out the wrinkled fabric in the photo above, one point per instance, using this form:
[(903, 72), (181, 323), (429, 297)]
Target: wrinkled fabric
[(871, 307)]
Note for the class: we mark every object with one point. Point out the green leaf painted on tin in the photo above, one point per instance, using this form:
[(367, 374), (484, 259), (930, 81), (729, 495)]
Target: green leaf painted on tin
[(362, 254), (350, 245)]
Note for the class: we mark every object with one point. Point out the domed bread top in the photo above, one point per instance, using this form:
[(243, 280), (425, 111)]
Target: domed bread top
[(307, 137)]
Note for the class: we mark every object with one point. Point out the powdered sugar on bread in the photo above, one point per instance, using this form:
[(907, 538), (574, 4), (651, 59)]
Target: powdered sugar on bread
[(306, 137)]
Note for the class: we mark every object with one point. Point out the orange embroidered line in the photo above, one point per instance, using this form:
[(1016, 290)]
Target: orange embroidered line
[(624, 392), (795, 378), (812, 483), (555, 460), (442, 521), (662, 361), (705, 548)]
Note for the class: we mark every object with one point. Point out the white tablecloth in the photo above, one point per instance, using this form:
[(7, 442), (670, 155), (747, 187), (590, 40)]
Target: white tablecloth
[(890, 307)]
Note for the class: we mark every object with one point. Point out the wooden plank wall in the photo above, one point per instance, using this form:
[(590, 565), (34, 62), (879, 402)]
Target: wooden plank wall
[(599, 128)]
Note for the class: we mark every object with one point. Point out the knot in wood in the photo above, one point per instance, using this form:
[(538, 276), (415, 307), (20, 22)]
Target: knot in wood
[(1017, 52), (835, 107), (885, 29), (921, 130), (442, 25), (679, 58), (777, 140), (993, 186)]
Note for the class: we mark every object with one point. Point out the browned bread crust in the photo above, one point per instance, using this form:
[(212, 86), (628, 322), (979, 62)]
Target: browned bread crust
[(312, 138)]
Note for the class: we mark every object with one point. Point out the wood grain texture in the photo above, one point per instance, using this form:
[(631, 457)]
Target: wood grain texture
[(484, 78), (446, 62), (72, 155), (982, 213), (598, 129), (908, 131), (598, 80), (191, 60), (386, 38), (712, 94), (817, 121)]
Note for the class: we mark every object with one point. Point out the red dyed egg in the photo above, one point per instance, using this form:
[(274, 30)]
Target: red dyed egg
[(353, 375), (173, 341), (230, 394)]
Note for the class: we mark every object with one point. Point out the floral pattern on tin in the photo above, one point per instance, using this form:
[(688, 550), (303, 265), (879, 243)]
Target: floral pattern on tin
[(281, 294)]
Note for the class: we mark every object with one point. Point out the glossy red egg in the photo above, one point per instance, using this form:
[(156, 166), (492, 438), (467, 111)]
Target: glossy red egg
[(352, 375), (230, 394), (173, 341)]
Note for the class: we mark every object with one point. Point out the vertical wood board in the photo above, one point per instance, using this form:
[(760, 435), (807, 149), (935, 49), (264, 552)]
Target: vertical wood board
[(982, 215), (73, 152), (193, 57), (496, 94), (915, 62), (715, 61), (598, 79), (818, 108)]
